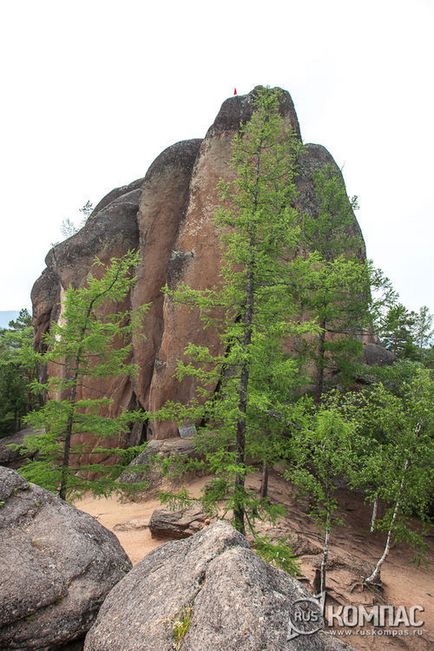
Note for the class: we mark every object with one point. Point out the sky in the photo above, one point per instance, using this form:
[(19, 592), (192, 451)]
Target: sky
[(92, 91)]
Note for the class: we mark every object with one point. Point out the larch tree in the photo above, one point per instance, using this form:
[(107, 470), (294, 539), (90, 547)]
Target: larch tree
[(16, 398), (253, 309), (331, 278), (91, 340)]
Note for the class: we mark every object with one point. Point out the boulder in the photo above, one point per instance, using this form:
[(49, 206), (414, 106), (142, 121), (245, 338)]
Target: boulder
[(208, 592), (376, 355), (146, 466), (57, 565), (11, 456), (177, 524)]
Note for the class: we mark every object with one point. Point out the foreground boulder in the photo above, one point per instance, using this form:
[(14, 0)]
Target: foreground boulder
[(57, 564), (208, 592), (177, 524)]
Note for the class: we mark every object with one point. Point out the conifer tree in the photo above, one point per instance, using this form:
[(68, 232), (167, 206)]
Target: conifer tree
[(91, 340), (15, 375), (331, 279), (252, 310)]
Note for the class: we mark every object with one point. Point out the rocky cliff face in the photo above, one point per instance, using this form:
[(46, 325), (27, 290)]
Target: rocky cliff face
[(168, 215)]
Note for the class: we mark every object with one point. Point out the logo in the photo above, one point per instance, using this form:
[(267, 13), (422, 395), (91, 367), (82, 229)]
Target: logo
[(309, 615), (306, 616)]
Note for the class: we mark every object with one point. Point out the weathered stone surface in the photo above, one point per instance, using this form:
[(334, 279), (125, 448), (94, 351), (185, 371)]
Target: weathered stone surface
[(177, 524), (132, 525), (56, 566), (45, 297), (197, 252), (111, 231), (377, 355), (12, 458), (235, 600), (314, 158), (161, 210)]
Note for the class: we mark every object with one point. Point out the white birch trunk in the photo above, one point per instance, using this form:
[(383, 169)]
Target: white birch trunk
[(374, 514), (325, 556), (375, 576)]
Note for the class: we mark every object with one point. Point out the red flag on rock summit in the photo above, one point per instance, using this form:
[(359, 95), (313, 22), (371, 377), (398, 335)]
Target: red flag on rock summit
[(235, 91)]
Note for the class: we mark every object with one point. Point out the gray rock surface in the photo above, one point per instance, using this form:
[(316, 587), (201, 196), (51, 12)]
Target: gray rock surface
[(146, 467), (57, 564), (375, 354), (177, 524), (234, 599), (10, 457)]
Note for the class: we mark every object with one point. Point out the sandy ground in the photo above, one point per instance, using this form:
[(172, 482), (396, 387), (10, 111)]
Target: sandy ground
[(129, 520), (353, 550)]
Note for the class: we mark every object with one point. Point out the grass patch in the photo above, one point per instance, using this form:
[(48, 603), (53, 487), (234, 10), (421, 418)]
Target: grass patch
[(277, 553), (181, 626)]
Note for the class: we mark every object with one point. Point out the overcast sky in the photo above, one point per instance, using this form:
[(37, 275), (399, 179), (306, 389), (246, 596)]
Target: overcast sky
[(94, 90)]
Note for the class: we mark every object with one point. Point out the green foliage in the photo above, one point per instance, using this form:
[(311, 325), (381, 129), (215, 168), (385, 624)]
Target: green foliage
[(330, 280), (181, 626), (321, 454), (408, 334), (278, 554), (15, 373), (396, 460), (175, 500), (253, 312), (90, 341)]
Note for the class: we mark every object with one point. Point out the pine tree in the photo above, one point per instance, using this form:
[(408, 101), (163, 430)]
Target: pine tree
[(92, 340)]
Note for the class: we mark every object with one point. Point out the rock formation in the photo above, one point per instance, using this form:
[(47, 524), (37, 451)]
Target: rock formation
[(146, 466), (11, 449), (178, 524), (210, 591), (57, 564), (169, 216)]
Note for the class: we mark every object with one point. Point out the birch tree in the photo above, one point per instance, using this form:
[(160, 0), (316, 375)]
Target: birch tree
[(407, 475), (322, 453)]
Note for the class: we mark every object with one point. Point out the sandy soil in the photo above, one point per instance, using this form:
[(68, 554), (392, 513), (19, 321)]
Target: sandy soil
[(353, 551), (129, 520)]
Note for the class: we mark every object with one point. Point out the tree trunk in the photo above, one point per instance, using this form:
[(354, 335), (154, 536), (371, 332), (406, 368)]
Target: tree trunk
[(374, 514), (375, 577), (319, 383), (242, 406), (67, 444), (325, 556), (264, 482), (239, 511)]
